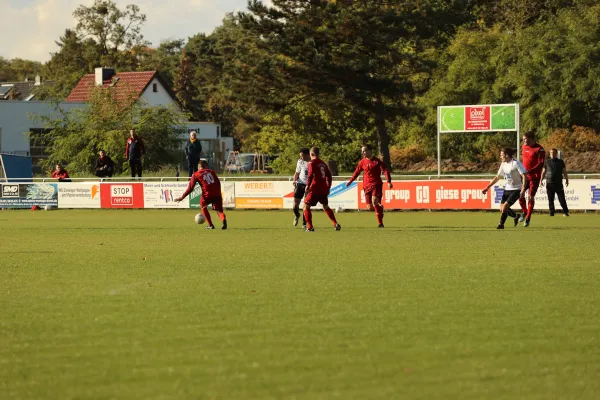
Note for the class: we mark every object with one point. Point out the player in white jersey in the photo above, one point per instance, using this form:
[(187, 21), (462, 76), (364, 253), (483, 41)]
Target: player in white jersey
[(514, 172), (300, 183)]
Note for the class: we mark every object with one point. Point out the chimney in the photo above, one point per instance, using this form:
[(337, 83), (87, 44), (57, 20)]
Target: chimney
[(103, 75), (38, 80)]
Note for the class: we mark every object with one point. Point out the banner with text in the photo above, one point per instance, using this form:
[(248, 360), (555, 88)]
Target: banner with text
[(227, 191), (26, 195), (339, 196), (460, 195), (163, 194), (260, 194), (581, 194), (78, 195), (122, 195)]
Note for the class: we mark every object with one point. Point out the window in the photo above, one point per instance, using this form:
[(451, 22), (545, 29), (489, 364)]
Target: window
[(218, 131), (155, 88), (38, 144)]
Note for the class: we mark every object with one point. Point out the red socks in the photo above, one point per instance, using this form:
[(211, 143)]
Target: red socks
[(331, 216), (308, 218), (207, 215)]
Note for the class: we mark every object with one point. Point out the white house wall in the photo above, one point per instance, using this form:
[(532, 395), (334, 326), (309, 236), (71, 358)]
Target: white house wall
[(159, 98)]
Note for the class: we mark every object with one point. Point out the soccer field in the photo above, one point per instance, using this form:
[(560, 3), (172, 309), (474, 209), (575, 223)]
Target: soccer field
[(144, 304)]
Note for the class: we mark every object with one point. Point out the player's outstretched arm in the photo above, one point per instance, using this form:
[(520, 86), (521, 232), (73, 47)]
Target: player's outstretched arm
[(565, 174), (355, 174), (188, 190), (496, 179)]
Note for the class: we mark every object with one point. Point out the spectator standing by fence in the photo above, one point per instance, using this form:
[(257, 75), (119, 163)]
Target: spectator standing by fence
[(134, 151), (553, 172), (193, 150)]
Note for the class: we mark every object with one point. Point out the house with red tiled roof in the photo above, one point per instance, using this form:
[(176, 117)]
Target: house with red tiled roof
[(146, 86)]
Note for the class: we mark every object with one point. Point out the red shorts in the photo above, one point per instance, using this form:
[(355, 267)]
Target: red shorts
[(312, 199), (374, 191), (533, 183), (216, 201)]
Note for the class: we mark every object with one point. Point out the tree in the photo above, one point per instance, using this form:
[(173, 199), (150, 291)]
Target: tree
[(112, 29), (365, 54), (18, 69), (75, 137)]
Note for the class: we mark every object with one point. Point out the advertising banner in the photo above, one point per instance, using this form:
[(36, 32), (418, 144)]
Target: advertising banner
[(339, 196), (122, 195), (26, 195), (461, 195), (227, 191), (581, 194), (163, 194), (78, 195), (260, 194), (477, 118)]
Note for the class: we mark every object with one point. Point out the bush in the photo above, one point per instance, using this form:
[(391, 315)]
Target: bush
[(401, 157), (579, 139)]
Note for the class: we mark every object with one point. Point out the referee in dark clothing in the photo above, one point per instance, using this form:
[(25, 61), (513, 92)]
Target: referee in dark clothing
[(553, 172)]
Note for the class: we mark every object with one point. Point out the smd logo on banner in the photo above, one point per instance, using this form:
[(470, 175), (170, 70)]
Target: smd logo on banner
[(9, 191), (122, 195)]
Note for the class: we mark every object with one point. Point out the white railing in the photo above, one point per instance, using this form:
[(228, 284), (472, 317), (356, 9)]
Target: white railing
[(270, 177)]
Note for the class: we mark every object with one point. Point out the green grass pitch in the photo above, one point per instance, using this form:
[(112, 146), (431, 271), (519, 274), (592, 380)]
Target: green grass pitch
[(144, 304), (503, 117), (452, 119)]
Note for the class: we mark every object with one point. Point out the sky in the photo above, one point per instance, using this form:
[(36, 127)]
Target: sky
[(30, 27)]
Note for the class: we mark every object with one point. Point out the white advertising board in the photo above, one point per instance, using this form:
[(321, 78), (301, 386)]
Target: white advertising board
[(78, 195), (163, 194)]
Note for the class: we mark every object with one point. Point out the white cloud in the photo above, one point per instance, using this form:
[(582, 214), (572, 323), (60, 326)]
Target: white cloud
[(31, 27)]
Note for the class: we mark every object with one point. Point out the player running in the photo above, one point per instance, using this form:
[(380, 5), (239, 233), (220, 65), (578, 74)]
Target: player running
[(300, 184), (534, 157), (211, 193), (372, 168), (514, 173), (318, 184)]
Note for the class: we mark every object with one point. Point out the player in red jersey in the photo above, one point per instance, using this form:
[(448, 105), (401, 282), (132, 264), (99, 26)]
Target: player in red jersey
[(372, 168), (318, 184), (211, 193), (534, 157)]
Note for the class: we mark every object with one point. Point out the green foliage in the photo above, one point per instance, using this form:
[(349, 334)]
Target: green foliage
[(76, 136), (361, 54), (17, 69)]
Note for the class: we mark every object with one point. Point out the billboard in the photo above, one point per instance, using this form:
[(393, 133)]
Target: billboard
[(227, 191), (78, 195), (446, 194), (122, 195), (478, 118), (339, 196), (260, 194), (163, 194), (26, 195), (581, 194)]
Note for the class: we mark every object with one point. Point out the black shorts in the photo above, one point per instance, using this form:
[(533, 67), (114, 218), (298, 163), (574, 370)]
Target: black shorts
[(510, 197), (299, 191)]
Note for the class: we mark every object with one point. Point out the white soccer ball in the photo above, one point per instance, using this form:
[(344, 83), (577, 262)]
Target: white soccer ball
[(199, 218), (48, 207), (339, 209)]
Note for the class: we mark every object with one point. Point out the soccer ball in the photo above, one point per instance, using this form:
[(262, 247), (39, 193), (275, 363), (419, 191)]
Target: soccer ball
[(200, 219), (48, 207), (339, 209)]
